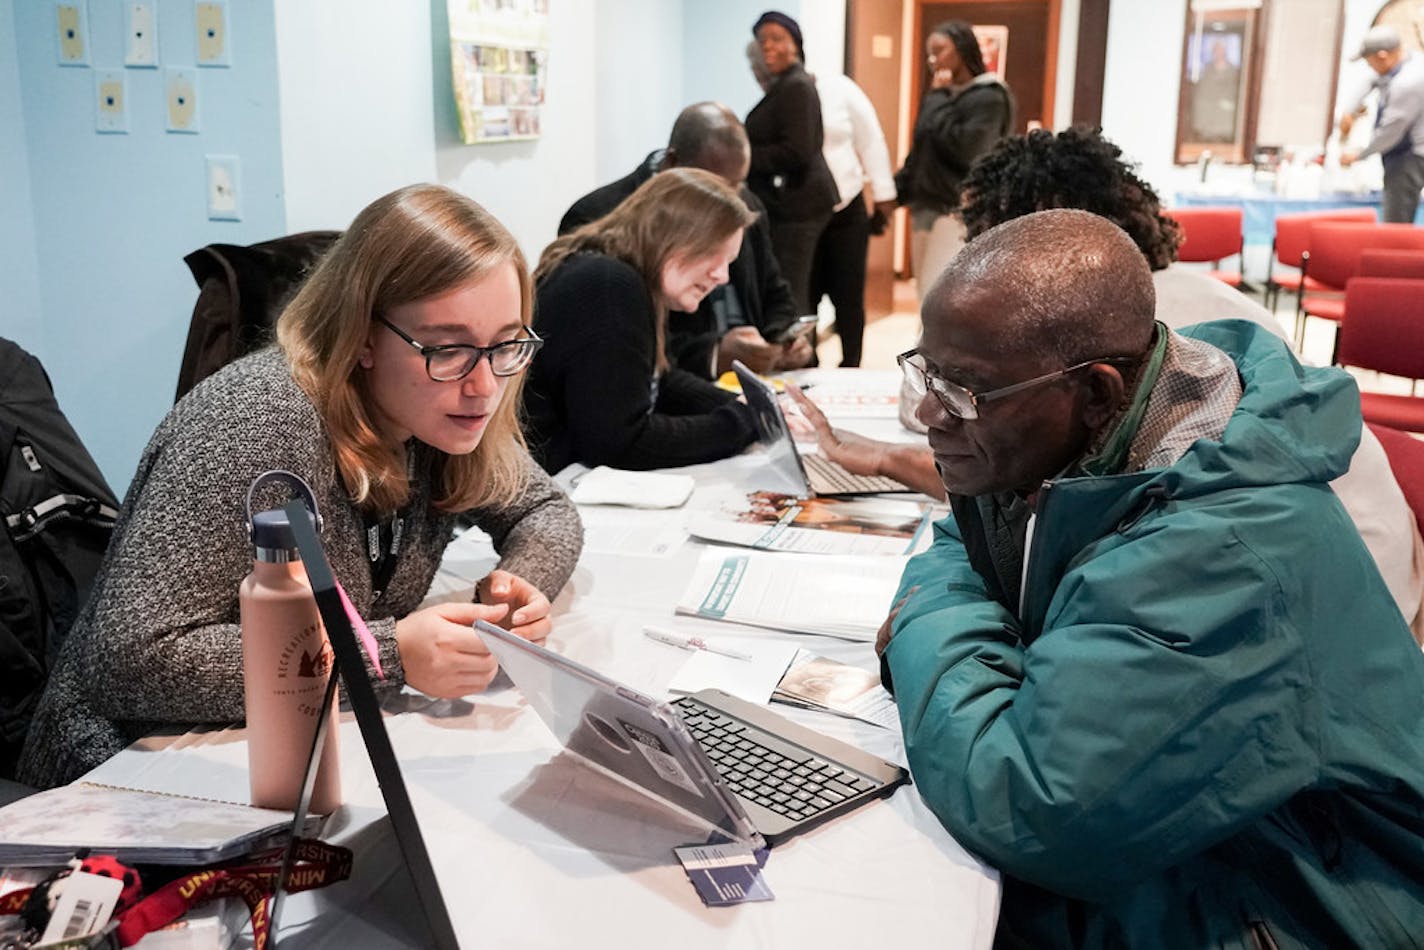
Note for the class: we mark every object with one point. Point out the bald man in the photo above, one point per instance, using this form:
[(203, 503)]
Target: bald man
[(1148, 669), (746, 318)]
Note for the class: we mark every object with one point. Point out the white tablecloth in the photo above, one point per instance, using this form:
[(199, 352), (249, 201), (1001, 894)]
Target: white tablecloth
[(534, 850)]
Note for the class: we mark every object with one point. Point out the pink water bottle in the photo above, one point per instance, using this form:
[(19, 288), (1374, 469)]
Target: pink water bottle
[(286, 661)]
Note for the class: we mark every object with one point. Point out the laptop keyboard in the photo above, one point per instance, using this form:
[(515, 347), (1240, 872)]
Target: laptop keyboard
[(830, 478), (766, 770)]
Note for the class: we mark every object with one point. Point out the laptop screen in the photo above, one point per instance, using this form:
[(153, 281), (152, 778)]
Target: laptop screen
[(775, 435)]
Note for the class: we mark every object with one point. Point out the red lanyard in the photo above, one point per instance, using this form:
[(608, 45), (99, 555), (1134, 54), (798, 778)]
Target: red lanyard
[(317, 865)]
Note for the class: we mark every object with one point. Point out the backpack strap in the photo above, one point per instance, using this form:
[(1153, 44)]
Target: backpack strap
[(25, 524)]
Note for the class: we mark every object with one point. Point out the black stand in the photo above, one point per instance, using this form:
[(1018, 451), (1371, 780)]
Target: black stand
[(352, 670)]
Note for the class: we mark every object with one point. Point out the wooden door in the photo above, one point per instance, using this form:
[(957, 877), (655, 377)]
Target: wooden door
[(873, 57), (1031, 54)]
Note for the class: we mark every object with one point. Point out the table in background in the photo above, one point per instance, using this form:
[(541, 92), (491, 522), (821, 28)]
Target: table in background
[(1259, 211), (534, 850)]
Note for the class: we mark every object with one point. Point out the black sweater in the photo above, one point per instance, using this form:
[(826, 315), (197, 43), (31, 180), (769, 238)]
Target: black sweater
[(755, 277), (593, 395), (789, 174), (954, 128)]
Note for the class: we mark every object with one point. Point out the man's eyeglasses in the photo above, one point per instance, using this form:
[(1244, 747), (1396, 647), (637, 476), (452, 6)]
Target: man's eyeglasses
[(457, 360), (958, 401)]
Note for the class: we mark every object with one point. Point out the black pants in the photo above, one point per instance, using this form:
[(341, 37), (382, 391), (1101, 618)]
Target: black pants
[(794, 244), (1403, 177), (839, 272)]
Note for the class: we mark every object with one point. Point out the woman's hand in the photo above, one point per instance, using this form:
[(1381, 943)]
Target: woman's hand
[(528, 608), (441, 653)]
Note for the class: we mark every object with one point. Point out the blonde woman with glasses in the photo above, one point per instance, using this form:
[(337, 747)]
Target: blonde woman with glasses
[(602, 392), (393, 390)]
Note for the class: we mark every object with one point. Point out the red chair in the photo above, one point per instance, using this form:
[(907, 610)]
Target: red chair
[(1334, 257), (1383, 330), (1377, 262), (1211, 235), (1406, 460), (1291, 243)]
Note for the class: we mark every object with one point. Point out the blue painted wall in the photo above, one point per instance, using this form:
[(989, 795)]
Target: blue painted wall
[(714, 41), (20, 310), (113, 215)]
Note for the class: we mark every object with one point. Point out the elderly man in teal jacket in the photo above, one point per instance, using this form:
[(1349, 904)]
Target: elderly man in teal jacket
[(1148, 669)]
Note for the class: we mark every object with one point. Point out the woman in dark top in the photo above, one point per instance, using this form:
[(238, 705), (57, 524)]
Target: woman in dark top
[(966, 111), (788, 172), (601, 391)]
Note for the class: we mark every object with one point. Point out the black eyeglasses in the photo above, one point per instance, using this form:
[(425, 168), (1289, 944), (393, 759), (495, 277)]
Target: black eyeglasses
[(958, 401), (454, 361)]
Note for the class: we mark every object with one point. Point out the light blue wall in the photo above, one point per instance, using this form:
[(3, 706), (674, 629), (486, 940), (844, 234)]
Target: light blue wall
[(115, 214), (20, 311), (638, 74), (715, 37)]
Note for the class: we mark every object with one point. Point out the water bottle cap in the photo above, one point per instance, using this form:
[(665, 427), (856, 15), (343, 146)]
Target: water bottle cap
[(272, 533)]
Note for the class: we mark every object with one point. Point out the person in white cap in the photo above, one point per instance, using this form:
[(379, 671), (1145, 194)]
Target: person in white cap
[(1399, 122)]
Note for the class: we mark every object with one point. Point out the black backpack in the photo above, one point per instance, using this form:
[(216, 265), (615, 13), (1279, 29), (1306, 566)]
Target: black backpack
[(58, 514)]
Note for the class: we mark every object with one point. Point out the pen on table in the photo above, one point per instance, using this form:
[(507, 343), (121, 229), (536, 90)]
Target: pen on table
[(691, 643)]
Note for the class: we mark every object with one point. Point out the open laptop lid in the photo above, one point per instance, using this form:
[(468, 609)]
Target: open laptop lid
[(634, 738), (775, 434)]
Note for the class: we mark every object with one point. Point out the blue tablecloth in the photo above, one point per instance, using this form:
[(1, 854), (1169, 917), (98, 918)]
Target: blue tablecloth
[(1259, 219)]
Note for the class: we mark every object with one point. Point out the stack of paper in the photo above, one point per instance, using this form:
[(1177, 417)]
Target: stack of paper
[(817, 682), (847, 597), (777, 522)]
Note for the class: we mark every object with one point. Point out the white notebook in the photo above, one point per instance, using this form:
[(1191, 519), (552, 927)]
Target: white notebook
[(846, 597)]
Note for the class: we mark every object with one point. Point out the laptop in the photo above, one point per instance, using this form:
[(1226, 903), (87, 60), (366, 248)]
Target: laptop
[(805, 474), (747, 774)]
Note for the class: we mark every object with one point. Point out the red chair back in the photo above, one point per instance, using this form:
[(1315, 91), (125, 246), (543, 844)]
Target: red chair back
[(1383, 328), (1293, 230), (1406, 459), (1378, 262), (1208, 234), (1335, 248)]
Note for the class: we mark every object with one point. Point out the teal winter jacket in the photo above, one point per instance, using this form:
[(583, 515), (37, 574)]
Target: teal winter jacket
[(1206, 726)]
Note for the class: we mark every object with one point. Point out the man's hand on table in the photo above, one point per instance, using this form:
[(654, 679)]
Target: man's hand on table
[(746, 344)]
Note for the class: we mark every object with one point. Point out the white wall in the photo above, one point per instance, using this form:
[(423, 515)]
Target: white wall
[(20, 316)]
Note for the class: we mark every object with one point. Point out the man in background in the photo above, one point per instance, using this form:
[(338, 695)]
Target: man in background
[(745, 319), (1399, 122)]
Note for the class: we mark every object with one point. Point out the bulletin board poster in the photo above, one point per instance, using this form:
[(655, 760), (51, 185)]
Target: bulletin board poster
[(499, 55)]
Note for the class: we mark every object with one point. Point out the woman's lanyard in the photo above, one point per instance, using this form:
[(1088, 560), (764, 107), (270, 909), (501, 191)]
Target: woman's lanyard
[(383, 539)]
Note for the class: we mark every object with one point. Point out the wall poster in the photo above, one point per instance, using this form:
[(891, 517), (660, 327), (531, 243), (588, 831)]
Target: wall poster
[(994, 47), (499, 53)]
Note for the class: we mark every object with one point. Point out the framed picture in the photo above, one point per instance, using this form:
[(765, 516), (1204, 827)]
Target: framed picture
[(994, 47), (1220, 75)]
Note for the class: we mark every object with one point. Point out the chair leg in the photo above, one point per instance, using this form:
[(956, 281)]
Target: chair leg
[(1335, 348)]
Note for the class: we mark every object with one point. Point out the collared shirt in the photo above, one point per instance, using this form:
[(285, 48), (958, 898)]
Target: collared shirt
[(1399, 124), (854, 144)]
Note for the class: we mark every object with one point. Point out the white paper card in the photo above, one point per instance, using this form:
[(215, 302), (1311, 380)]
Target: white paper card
[(85, 906), (612, 486)]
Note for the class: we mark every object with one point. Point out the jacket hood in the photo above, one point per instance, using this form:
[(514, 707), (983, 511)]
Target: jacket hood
[(1293, 424)]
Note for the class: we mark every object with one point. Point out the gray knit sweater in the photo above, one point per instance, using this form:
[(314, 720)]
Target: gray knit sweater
[(158, 643)]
